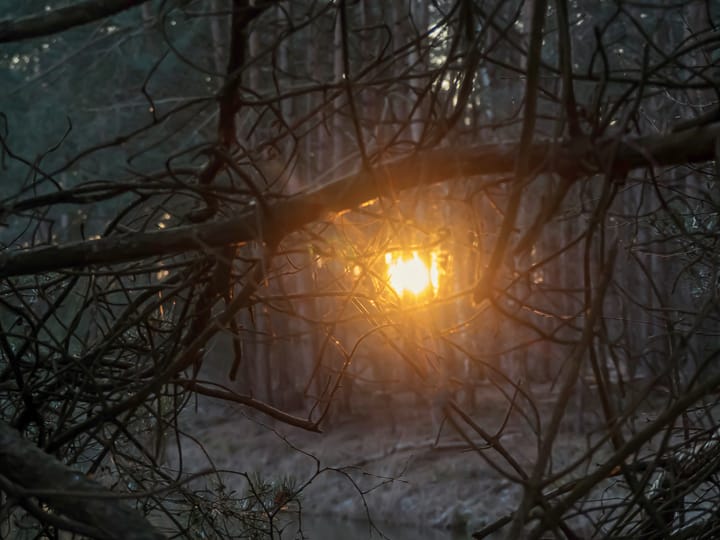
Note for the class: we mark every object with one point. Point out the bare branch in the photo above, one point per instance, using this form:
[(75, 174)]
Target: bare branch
[(234, 397), (29, 467), (691, 146), (61, 19)]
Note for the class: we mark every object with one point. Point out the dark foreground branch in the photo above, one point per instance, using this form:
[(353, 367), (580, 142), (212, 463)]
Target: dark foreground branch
[(61, 19), (279, 219), (230, 396), (29, 468)]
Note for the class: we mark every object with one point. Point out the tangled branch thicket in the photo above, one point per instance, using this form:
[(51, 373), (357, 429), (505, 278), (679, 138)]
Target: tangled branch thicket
[(199, 198)]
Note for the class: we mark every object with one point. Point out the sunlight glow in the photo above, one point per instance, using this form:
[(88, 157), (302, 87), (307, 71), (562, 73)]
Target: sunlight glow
[(411, 274)]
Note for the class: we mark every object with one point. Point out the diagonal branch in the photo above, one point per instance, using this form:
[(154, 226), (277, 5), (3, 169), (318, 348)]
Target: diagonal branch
[(249, 401), (524, 159), (285, 216), (29, 468), (61, 19)]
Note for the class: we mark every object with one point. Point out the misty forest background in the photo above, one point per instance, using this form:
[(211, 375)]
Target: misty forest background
[(198, 197)]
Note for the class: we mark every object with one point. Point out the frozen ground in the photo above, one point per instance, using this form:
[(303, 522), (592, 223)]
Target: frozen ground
[(390, 470)]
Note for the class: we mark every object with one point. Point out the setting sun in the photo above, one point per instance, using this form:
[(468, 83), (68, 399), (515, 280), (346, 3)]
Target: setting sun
[(412, 274)]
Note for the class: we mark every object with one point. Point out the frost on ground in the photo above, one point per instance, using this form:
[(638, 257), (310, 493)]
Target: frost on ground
[(390, 467)]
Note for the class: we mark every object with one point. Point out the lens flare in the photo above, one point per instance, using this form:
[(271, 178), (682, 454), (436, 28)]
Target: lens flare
[(411, 274)]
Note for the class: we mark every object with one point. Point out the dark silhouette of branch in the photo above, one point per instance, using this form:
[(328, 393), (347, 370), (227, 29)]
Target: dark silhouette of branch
[(29, 468), (61, 19), (234, 397), (695, 145), (524, 157)]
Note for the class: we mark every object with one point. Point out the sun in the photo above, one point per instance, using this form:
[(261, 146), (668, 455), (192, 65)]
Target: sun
[(411, 274)]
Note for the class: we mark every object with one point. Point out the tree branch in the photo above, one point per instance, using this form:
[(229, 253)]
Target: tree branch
[(694, 145), (27, 466), (61, 19), (249, 401)]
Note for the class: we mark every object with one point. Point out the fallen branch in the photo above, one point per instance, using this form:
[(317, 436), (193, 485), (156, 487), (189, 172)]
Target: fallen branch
[(278, 219), (30, 469), (61, 19), (426, 445)]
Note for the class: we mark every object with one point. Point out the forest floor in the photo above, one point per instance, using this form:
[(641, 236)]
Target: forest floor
[(389, 466)]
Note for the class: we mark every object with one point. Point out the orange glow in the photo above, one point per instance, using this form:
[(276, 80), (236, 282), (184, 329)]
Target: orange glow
[(411, 274)]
